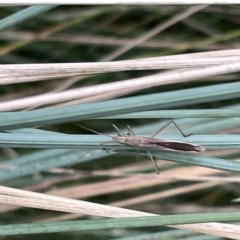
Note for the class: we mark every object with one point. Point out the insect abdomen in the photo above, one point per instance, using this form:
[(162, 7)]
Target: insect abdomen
[(182, 146)]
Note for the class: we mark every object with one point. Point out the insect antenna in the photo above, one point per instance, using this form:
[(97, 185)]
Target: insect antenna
[(88, 150), (107, 135), (94, 131)]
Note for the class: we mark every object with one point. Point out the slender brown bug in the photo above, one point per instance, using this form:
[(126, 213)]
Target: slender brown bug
[(150, 142)]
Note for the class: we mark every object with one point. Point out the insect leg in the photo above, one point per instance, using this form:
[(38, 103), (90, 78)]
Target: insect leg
[(69, 166), (153, 161), (120, 133), (112, 150), (175, 126), (130, 130), (103, 143)]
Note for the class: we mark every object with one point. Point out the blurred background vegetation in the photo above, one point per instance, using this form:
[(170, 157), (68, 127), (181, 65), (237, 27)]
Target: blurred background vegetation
[(69, 34)]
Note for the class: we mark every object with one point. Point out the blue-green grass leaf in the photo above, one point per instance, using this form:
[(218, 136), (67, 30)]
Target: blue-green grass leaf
[(132, 222), (186, 97)]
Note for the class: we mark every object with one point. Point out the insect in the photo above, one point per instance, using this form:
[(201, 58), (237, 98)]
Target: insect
[(131, 139)]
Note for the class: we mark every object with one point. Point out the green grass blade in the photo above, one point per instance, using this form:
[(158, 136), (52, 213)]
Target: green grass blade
[(11, 120), (118, 223), (21, 140), (29, 166), (193, 113), (24, 15)]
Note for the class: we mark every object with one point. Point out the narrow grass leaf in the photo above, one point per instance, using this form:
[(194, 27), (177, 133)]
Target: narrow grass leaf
[(118, 223)]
